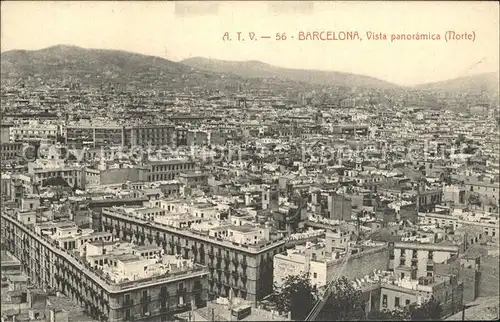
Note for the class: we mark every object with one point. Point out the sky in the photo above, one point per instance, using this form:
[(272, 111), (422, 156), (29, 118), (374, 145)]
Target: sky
[(180, 30)]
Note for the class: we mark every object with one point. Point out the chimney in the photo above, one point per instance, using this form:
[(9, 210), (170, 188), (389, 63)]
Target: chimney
[(29, 298), (331, 204), (248, 199), (193, 304), (316, 196)]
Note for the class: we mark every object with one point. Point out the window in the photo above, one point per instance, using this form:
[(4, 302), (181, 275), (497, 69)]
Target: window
[(396, 301), (407, 302), (315, 275), (384, 300), (430, 255), (402, 262), (429, 274), (402, 275), (127, 314)]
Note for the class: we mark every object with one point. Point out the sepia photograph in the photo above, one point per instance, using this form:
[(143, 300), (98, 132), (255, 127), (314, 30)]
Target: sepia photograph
[(249, 161)]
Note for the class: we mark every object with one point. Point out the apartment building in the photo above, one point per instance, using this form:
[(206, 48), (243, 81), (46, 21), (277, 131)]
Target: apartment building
[(114, 176), (95, 136), (35, 132), (68, 236), (417, 259), (485, 187), (193, 178), (239, 255), (403, 292), (197, 138), (16, 186), (42, 170), (486, 191), (488, 223), (339, 206), (5, 132), (112, 281), (455, 194), (168, 169), (427, 199), (157, 135), (11, 152), (323, 264)]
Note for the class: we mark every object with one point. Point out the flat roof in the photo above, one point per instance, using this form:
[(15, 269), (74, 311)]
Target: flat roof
[(128, 258), (243, 228), (147, 247)]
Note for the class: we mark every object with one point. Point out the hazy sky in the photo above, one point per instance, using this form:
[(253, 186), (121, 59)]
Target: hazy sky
[(187, 29)]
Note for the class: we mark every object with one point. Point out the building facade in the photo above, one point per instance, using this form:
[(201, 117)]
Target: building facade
[(247, 270), (49, 266)]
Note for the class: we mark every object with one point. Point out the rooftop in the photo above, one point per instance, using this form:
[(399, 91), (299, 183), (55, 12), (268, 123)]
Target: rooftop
[(223, 309), (99, 277), (196, 234)]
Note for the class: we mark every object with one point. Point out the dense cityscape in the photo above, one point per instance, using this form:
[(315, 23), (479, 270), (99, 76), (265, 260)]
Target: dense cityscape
[(210, 196)]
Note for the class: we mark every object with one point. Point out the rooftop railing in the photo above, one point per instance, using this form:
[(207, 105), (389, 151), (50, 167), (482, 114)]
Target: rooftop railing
[(200, 235), (85, 267)]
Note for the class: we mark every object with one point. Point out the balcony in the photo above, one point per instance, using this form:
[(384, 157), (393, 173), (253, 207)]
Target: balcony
[(196, 291)]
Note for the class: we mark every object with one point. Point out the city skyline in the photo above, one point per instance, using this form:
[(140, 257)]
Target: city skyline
[(119, 28)]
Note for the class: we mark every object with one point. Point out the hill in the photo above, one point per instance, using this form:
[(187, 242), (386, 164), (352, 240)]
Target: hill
[(97, 66), (257, 69), (488, 82)]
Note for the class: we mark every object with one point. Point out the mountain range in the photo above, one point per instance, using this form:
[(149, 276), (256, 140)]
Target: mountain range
[(83, 64), (259, 69), (124, 67), (488, 82)]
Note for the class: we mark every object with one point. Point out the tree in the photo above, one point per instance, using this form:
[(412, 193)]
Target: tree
[(386, 315), (297, 295), (344, 303)]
